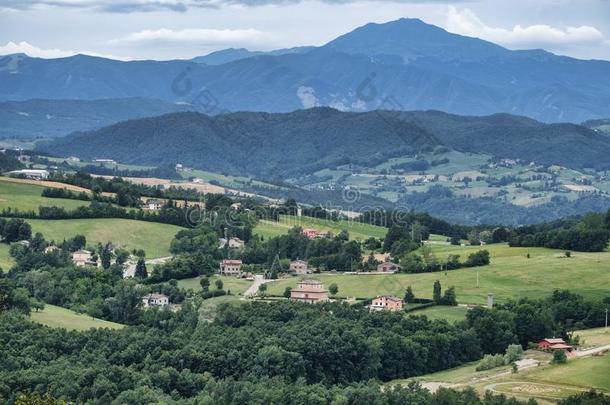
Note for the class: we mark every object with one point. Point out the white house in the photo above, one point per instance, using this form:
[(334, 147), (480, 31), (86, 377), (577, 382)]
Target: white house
[(155, 300)]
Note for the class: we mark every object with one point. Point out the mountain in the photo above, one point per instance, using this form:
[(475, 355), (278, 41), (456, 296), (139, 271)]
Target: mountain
[(400, 65), (232, 54), (50, 118), (303, 142)]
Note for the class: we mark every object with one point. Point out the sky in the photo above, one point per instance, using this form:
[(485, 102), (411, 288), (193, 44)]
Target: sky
[(182, 29)]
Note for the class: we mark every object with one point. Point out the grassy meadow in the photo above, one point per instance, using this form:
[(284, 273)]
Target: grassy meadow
[(58, 317), (357, 230), (153, 237), (451, 314), (511, 275), (26, 196)]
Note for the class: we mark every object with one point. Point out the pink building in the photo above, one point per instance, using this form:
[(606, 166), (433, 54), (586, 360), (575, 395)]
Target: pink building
[(387, 303), (309, 291), (388, 267), (310, 233)]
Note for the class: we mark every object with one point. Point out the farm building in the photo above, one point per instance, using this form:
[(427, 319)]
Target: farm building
[(154, 205), (30, 174), (83, 258), (234, 243), (230, 267), (554, 344), (299, 267), (388, 267), (309, 291), (155, 300), (386, 303), (310, 233)]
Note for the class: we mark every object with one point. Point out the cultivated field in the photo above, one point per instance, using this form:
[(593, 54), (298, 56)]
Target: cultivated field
[(357, 231), (510, 275), (58, 317), (153, 237)]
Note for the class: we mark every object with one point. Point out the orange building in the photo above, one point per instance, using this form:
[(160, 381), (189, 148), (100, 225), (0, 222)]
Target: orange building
[(309, 291), (387, 303)]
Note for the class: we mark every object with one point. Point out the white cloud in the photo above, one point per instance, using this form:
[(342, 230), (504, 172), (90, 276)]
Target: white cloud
[(31, 50), (36, 52), (197, 36), (307, 96), (466, 22)]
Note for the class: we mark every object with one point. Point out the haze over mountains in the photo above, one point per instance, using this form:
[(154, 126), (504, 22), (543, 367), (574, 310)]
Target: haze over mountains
[(404, 64)]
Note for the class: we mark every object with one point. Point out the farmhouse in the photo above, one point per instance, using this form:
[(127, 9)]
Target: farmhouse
[(388, 267), (154, 205), (230, 267), (310, 233), (309, 291), (155, 300), (554, 344), (83, 258), (299, 267), (234, 243), (386, 303), (30, 174)]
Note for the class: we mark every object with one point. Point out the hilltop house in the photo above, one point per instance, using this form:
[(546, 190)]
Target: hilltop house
[(309, 291), (230, 267), (299, 267), (386, 303), (388, 267), (155, 300), (83, 258)]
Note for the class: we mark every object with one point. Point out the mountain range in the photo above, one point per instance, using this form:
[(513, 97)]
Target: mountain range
[(400, 65), (290, 145)]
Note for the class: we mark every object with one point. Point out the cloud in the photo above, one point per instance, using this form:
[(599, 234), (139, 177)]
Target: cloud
[(466, 22), (128, 6), (198, 36), (36, 52), (307, 96)]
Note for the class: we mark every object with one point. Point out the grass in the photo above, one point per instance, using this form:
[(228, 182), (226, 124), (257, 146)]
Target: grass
[(357, 230), (593, 337), (237, 286), (511, 275), (58, 317), (6, 261), (451, 314), (27, 197), (153, 237)]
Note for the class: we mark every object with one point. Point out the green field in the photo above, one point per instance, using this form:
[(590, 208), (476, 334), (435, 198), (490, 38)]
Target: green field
[(153, 237), (357, 230), (451, 314), (6, 261), (237, 286), (58, 317), (509, 276), (26, 197)]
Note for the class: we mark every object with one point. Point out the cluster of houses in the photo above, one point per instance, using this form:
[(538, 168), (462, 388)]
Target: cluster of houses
[(313, 234)]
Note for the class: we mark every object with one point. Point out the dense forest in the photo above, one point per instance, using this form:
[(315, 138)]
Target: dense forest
[(303, 142)]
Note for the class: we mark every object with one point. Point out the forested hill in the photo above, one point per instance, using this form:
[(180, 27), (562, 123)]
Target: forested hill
[(305, 141)]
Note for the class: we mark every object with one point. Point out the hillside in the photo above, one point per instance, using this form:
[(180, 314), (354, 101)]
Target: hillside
[(50, 118), (303, 142), (404, 64)]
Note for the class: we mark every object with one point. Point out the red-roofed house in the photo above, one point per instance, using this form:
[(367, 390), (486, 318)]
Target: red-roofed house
[(386, 303), (554, 344)]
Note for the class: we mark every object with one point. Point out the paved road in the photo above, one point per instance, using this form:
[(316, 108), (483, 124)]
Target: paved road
[(130, 268)]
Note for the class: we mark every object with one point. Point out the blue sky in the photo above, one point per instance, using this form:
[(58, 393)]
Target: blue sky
[(168, 29)]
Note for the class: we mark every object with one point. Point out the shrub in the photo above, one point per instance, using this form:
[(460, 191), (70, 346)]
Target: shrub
[(490, 361), (559, 357)]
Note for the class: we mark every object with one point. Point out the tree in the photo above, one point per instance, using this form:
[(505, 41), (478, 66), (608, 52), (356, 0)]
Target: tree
[(513, 353), (333, 289), (409, 296), (141, 271), (559, 357), (218, 284), (106, 256), (449, 298), (436, 292), (262, 289), (205, 284), (287, 292)]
